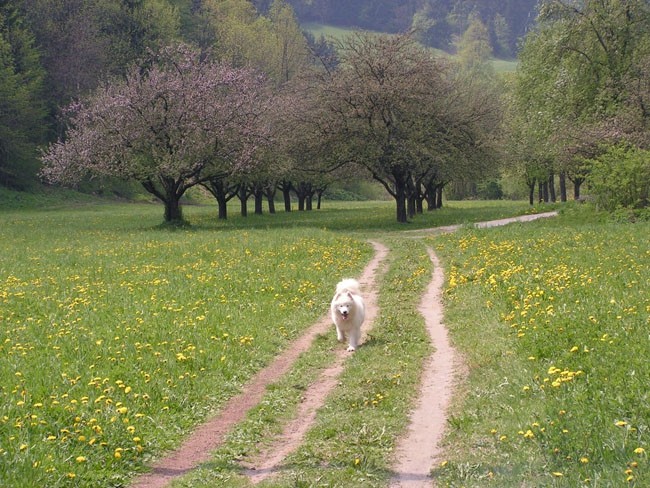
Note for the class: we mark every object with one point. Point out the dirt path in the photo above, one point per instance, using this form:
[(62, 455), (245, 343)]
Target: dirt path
[(416, 451), (210, 435), (481, 225)]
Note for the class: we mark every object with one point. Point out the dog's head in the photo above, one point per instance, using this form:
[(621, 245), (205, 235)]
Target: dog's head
[(343, 303)]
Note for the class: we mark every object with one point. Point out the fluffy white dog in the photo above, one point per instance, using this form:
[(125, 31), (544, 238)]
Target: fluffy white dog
[(348, 312)]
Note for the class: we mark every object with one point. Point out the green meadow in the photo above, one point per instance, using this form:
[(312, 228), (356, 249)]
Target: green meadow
[(553, 319), (120, 335)]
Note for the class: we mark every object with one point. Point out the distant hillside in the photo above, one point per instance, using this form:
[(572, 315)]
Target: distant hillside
[(439, 21), (317, 30)]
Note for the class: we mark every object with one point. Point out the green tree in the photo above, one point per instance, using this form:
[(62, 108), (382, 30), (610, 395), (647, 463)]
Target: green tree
[(273, 43), (290, 53), (473, 48), (579, 82), (620, 178), (22, 108), (83, 41)]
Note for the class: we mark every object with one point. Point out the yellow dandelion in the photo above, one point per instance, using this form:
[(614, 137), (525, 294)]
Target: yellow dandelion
[(639, 450), (81, 459)]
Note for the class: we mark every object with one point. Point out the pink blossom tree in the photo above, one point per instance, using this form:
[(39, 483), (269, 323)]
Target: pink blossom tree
[(173, 122)]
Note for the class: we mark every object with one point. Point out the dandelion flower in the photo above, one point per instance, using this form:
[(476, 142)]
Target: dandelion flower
[(639, 450), (81, 459)]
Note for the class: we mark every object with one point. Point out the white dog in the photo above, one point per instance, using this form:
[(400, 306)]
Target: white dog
[(348, 312)]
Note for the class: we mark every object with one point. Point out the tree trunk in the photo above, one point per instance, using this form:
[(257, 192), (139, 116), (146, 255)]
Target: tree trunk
[(531, 191), (551, 188), (216, 187), (576, 188), (400, 202), (269, 191), (173, 210), (563, 186), (286, 187), (439, 188), (170, 194), (411, 208), (243, 200), (304, 193), (258, 193), (222, 205)]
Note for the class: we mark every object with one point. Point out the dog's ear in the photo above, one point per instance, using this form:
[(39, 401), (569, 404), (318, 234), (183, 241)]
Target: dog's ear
[(350, 295)]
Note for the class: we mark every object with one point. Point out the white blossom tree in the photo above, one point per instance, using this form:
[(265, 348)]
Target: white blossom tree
[(170, 124)]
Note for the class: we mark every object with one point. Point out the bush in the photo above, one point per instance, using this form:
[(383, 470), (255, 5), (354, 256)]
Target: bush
[(620, 178)]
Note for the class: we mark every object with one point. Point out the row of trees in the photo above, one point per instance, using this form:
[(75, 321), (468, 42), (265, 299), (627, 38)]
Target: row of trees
[(254, 106), (184, 118), (583, 90)]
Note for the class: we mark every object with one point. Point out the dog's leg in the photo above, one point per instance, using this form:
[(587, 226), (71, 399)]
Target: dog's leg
[(354, 340), (340, 336)]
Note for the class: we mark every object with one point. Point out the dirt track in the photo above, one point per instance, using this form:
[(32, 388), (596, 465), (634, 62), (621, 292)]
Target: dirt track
[(416, 452)]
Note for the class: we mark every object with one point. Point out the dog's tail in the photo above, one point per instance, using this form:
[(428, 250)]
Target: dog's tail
[(348, 284)]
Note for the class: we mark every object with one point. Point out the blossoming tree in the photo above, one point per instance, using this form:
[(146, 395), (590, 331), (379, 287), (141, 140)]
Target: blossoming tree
[(173, 122)]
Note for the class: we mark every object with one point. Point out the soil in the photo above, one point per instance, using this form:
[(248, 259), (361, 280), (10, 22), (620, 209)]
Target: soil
[(416, 453)]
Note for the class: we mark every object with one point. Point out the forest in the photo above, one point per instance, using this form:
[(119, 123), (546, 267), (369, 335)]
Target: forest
[(439, 21), (233, 96)]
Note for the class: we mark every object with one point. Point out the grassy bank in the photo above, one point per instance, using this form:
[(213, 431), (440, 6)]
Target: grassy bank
[(553, 319)]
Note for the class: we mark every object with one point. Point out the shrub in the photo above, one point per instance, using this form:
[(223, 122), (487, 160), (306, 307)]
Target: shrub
[(620, 178)]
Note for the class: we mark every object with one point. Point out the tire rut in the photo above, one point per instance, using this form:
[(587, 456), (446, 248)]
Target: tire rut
[(418, 450)]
